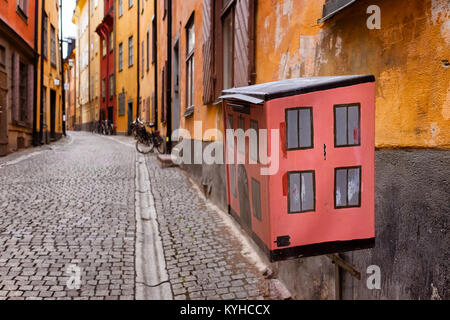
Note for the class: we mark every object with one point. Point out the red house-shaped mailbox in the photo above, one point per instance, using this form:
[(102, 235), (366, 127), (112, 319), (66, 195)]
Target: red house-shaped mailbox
[(319, 199)]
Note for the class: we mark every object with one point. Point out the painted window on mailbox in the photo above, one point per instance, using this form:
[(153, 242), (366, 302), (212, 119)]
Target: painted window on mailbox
[(256, 199), (233, 179), (230, 126), (347, 125), (254, 144), (301, 186), (299, 128), (241, 142), (347, 187)]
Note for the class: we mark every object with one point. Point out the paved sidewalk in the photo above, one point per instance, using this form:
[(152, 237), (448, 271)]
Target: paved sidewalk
[(203, 258)]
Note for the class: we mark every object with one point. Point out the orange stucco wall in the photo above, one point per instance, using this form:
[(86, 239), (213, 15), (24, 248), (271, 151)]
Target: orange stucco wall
[(23, 27), (126, 79), (210, 116), (406, 56), (50, 72)]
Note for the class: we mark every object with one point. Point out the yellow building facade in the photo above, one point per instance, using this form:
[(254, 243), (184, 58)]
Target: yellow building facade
[(88, 14), (147, 62), (126, 62), (49, 91)]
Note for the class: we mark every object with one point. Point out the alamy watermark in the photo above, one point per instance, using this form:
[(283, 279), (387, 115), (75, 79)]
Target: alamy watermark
[(74, 273), (190, 151), (374, 279), (374, 20)]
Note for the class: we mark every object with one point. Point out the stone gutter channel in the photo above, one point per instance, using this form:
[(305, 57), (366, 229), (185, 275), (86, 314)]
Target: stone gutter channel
[(152, 279)]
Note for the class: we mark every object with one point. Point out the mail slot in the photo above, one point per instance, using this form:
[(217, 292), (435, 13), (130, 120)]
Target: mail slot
[(305, 186)]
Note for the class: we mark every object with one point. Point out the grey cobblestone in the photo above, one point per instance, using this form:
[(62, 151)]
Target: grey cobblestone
[(71, 204), (74, 204), (202, 257)]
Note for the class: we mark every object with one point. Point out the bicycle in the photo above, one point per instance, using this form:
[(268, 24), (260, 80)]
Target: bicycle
[(147, 141), (97, 128), (108, 128)]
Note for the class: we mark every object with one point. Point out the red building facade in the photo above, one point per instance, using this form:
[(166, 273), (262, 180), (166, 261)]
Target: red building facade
[(107, 92)]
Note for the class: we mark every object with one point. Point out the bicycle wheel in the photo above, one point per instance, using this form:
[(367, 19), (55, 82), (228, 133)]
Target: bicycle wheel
[(144, 147), (160, 145)]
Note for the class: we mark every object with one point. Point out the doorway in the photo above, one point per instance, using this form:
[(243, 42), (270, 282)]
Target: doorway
[(176, 87), (52, 114), (110, 115), (130, 116)]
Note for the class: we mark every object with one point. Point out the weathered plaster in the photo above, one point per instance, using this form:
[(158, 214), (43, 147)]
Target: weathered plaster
[(406, 55)]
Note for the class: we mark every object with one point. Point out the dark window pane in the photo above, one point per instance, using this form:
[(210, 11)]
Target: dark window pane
[(305, 128), (256, 199), (307, 191), (354, 187), (253, 146), (353, 125), (233, 179), (230, 125), (241, 136), (294, 192), (341, 187), (341, 126), (230, 122), (292, 129)]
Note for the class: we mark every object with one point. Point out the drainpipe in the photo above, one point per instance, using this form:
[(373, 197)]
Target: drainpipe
[(89, 59), (36, 63), (75, 87), (63, 91), (155, 14), (115, 100), (138, 58), (41, 109), (169, 77)]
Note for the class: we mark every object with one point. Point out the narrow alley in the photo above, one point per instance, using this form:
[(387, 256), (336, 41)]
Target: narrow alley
[(73, 204)]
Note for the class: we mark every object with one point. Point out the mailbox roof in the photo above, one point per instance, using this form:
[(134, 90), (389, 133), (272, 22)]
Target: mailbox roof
[(291, 87)]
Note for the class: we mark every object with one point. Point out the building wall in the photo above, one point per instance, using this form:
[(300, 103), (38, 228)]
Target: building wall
[(96, 16), (126, 79), (88, 15), (209, 115), (81, 19), (71, 101), (105, 30), (412, 103), (22, 25), (51, 75), (17, 35), (405, 56), (147, 69)]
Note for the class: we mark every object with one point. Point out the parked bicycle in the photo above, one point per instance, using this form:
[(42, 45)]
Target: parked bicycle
[(108, 128), (104, 127), (97, 128), (146, 140)]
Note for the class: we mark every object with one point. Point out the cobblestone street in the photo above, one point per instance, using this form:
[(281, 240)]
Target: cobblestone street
[(74, 204), (203, 258)]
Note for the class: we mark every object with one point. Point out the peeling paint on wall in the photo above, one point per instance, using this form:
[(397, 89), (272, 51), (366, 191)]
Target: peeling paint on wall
[(440, 10), (445, 32), (446, 107), (434, 134), (406, 56), (308, 45)]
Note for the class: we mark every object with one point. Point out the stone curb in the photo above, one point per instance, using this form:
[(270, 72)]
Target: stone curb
[(152, 279)]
